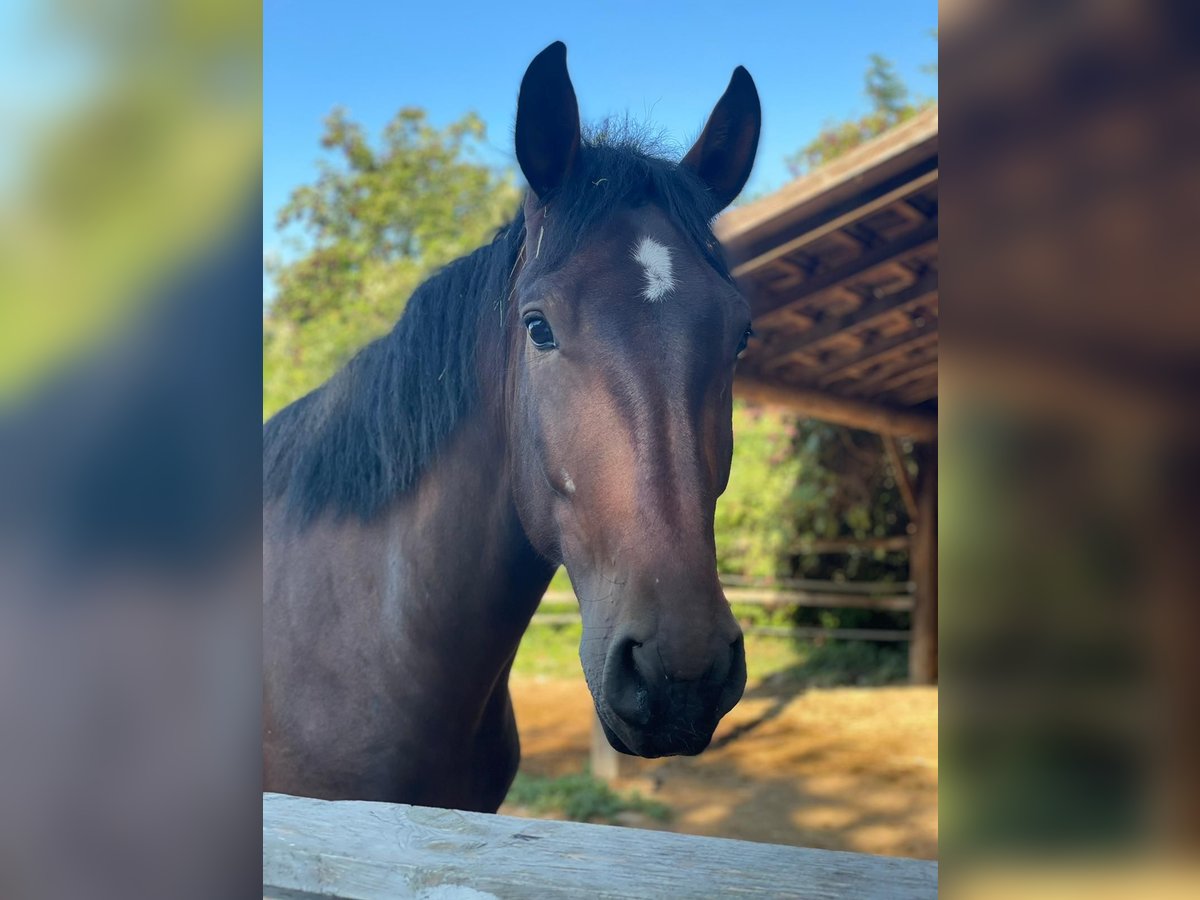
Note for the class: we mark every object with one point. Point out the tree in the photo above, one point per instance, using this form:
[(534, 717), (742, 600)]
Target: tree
[(891, 104), (374, 224)]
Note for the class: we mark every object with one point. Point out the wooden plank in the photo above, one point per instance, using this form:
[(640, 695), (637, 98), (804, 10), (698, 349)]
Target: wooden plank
[(766, 308), (898, 380), (740, 588), (818, 585), (837, 634), (852, 214), (877, 351), (803, 599), (900, 474), (918, 392), (869, 315), (602, 762), (896, 544), (923, 651), (838, 410), (774, 599), (355, 849)]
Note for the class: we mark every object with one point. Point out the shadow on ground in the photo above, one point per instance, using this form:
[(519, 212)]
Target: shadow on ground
[(840, 768)]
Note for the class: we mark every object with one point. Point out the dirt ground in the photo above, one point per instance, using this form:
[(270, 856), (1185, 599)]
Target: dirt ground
[(840, 769)]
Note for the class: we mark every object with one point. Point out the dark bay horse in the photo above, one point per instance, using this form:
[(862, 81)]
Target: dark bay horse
[(562, 395)]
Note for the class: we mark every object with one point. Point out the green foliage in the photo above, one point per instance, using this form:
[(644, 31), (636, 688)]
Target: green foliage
[(376, 223), (581, 798), (891, 104), (796, 480), (770, 488)]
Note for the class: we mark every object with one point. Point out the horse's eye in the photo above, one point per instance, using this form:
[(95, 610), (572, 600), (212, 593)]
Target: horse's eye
[(744, 342), (540, 333)]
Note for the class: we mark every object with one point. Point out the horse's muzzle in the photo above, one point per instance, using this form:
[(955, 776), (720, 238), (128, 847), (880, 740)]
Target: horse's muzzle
[(646, 712)]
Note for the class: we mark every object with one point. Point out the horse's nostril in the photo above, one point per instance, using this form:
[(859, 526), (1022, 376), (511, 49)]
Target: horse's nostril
[(734, 682), (625, 687)]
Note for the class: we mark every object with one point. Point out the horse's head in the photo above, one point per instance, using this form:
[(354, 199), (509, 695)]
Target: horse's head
[(625, 328)]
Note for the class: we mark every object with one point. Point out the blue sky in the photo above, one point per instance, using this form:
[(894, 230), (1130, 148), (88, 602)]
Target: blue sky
[(665, 62)]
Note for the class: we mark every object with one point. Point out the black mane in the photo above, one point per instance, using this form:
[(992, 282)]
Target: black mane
[(364, 437)]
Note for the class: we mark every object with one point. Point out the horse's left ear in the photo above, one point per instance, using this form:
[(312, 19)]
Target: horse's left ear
[(547, 134), (724, 154)]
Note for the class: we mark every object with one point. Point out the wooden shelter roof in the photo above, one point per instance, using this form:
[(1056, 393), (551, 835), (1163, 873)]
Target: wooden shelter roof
[(840, 268)]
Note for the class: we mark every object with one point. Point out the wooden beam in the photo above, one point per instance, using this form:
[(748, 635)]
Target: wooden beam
[(839, 410), (868, 315), (879, 350), (854, 213), (824, 585), (900, 472), (894, 544), (923, 651), (898, 379), (606, 762), (765, 307), (346, 848), (807, 600), (918, 392), (833, 634)]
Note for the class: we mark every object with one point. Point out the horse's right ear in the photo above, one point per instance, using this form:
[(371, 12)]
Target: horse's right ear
[(724, 154), (547, 121)]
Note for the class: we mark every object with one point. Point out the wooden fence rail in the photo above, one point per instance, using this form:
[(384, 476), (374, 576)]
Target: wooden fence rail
[(790, 593), (773, 598), (348, 849)]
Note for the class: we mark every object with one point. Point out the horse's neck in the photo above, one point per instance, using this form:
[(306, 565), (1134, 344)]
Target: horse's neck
[(472, 578)]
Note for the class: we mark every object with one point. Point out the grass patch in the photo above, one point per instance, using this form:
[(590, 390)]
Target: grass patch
[(551, 651), (581, 798)]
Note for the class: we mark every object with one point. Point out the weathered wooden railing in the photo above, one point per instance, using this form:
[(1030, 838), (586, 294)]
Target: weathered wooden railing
[(789, 593), (323, 849)]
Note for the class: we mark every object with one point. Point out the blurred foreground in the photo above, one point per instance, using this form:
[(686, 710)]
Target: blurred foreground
[(1070, 370), (130, 360)]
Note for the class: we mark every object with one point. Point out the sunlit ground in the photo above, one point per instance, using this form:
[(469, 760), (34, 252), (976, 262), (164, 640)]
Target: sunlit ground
[(846, 768)]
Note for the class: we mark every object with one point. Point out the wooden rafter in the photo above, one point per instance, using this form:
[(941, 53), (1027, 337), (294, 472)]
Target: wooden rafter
[(839, 410), (866, 316), (878, 351), (854, 212), (883, 254), (900, 379), (900, 473)]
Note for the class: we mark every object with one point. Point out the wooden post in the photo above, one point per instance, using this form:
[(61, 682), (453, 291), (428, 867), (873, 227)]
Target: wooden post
[(923, 651), (606, 762), (900, 473)]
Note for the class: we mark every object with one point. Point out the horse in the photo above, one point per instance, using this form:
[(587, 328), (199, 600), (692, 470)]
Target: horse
[(561, 396)]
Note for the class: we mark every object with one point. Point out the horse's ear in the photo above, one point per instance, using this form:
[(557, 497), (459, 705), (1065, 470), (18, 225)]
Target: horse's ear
[(547, 121), (724, 153)]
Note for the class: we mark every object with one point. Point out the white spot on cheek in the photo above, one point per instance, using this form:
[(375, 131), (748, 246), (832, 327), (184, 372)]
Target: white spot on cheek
[(655, 260), (567, 482)]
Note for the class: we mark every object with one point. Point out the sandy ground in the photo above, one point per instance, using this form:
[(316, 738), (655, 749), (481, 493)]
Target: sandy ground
[(840, 769)]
